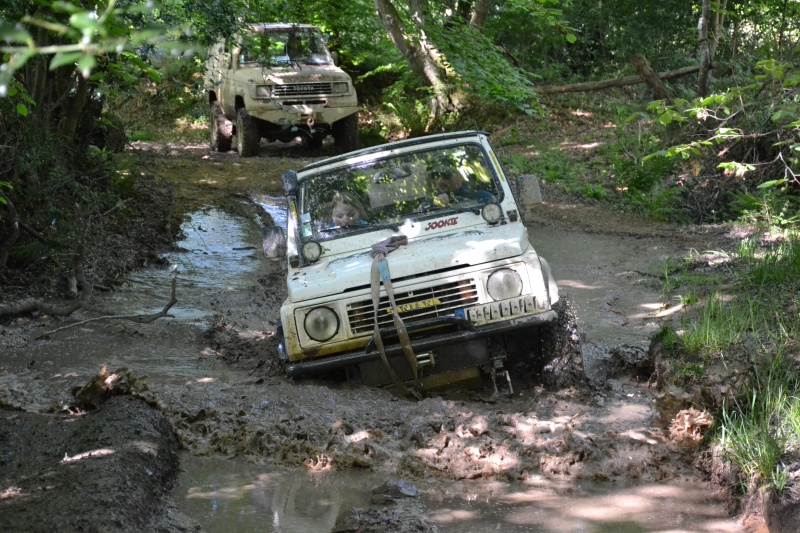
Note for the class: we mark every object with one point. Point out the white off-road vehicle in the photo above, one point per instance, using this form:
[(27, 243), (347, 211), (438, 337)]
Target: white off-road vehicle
[(432, 279), (278, 82)]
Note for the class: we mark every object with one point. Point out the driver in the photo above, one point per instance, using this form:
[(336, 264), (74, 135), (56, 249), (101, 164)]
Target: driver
[(452, 185)]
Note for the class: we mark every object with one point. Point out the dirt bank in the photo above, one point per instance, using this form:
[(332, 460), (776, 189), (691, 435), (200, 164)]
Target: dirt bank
[(236, 402)]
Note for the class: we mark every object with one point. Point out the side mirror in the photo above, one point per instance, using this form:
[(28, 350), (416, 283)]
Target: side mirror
[(289, 179), (274, 242), (335, 56)]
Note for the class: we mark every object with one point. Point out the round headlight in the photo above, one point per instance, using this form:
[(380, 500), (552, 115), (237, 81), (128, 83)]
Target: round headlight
[(321, 324), (311, 251), (504, 284), (492, 213)]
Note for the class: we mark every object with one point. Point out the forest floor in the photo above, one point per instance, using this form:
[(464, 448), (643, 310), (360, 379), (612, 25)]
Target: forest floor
[(111, 469)]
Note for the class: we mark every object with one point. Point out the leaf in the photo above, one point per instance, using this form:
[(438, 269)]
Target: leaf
[(571, 38), (14, 33), (22, 110), (772, 183), (64, 58)]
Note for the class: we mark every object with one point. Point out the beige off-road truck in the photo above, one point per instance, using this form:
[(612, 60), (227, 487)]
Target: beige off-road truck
[(278, 82), (409, 264)]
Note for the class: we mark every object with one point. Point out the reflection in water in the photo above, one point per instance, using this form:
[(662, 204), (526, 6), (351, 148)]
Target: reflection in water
[(227, 495), (233, 495)]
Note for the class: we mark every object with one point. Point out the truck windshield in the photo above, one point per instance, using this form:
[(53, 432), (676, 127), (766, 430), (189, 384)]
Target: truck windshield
[(275, 47), (385, 192)]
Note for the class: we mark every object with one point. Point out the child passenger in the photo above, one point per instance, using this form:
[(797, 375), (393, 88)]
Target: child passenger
[(346, 210)]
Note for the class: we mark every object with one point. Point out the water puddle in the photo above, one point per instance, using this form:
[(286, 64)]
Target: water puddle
[(224, 495)]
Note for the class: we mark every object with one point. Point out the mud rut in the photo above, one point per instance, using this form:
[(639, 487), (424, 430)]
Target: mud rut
[(543, 460)]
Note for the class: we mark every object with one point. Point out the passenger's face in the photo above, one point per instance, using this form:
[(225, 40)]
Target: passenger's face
[(344, 215)]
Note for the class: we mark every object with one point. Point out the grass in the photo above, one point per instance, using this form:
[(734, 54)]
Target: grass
[(752, 309)]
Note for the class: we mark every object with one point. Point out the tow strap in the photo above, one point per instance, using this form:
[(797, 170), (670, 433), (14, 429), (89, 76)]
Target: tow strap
[(380, 274)]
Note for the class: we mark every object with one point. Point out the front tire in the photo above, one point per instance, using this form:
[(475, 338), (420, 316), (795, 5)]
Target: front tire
[(551, 353), (247, 137), (221, 129), (345, 134)]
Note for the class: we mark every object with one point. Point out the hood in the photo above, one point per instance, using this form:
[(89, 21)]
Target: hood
[(294, 74), (336, 273)]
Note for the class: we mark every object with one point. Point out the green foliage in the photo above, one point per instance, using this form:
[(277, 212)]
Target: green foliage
[(755, 434)]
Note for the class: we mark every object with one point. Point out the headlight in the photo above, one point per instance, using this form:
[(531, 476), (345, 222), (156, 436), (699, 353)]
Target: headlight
[(504, 284), (311, 251), (492, 213), (321, 324), (340, 87), (263, 91)]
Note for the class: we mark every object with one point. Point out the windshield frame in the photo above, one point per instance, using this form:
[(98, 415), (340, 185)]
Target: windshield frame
[(311, 38), (386, 202)]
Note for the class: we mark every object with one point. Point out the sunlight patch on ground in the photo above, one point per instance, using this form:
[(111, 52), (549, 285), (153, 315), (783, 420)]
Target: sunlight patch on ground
[(579, 146)]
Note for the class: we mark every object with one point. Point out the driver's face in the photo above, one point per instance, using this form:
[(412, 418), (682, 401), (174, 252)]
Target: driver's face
[(344, 215)]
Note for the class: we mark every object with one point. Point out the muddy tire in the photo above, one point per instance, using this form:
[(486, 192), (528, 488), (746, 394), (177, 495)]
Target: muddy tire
[(561, 351), (314, 140), (221, 129), (550, 355), (345, 134), (247, 137)]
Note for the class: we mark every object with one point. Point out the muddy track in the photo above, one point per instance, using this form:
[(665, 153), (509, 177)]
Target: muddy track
[(232, 400)]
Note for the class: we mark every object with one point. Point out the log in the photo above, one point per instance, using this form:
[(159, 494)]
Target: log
[(617, 82)]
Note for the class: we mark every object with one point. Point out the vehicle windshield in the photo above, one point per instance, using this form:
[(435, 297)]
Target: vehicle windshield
[(284, 46), (386, 192)]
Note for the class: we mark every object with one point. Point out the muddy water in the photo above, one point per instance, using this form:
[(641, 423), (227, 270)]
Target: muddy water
[(608, 278)]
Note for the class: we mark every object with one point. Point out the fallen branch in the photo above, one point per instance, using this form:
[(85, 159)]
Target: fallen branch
[(617, 82), (140, 319)]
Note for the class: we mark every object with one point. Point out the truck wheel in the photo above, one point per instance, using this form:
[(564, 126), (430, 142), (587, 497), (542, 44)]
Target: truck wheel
[(221, 129), (552, 353), (247, 137), (314, 140), (560, 350), (345, 134)]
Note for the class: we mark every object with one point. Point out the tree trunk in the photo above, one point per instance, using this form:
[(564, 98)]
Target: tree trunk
[(419, 54), (480, 13), (75, 108), (704, 48), (650, 78), (708, 41)]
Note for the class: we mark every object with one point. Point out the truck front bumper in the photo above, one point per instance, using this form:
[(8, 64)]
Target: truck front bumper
[(466, 331)]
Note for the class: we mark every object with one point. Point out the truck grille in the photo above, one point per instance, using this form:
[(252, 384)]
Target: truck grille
[(302, 89), (439, 300)]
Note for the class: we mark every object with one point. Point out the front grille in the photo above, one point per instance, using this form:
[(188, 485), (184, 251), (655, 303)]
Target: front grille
[(439, 300), (302, 89)]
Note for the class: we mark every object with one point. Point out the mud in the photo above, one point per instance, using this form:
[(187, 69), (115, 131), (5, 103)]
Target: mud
[(212, 371)]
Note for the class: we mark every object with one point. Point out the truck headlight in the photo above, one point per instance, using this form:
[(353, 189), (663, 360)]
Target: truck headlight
[(340, 87), (311, 251), (503, 284), (492, 212), (263, 91), (321, 324)]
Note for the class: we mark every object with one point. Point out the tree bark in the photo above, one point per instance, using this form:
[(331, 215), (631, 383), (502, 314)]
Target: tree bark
[(708, 40), (12, 233), (650, 78), (480, 13), (704, 48), (607, 84), (419, 54)]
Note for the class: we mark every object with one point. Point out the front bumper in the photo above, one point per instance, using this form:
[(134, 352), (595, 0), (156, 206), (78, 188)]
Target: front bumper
[(465, 332)]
